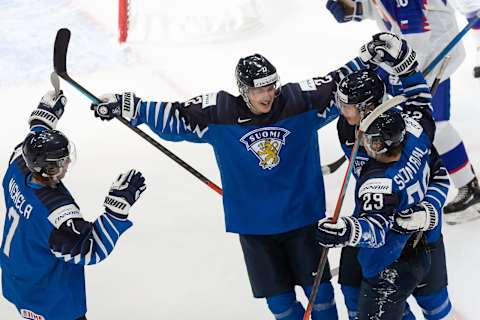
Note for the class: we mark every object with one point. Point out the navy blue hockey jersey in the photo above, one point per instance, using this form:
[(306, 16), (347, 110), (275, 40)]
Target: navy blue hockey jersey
[(46, 244), (269, 163)]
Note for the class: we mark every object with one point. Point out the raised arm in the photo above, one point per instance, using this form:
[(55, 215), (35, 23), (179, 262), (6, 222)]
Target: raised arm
[(77, 241)]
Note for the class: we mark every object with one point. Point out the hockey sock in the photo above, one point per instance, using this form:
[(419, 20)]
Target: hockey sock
[(350, 295), (435, 306), (285, 306), (324, 306)]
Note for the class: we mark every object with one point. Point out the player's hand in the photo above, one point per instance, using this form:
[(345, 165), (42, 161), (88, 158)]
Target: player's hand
[(115, 105), (50, 109), (421, 217), (388, 49), (333, 235), (124, 192), (338, 11)]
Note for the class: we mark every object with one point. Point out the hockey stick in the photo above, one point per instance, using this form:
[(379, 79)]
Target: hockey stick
[(332, 167), (60, 65), (55, 81), (451, 44), (365, 123)]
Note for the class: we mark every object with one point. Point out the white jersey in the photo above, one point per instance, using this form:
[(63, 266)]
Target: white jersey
[(428, 28)]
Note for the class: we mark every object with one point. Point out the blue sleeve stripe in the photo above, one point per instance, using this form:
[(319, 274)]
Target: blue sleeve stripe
[(105, 232), (436, 203), (110, 223), (99, 244), (433, 188)]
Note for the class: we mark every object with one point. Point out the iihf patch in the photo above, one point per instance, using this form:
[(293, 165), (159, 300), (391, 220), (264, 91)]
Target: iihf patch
[(266, 144)]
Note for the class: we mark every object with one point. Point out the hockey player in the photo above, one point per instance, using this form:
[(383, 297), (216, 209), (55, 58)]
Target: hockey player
[(266, 147), (431, 22), (46, 242), (392, 264), (359, 93)]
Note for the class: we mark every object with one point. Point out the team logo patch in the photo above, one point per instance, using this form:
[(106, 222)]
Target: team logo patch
[(266, 144)]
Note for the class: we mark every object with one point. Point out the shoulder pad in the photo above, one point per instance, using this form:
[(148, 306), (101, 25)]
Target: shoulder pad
[(376, 185), (58, 216)]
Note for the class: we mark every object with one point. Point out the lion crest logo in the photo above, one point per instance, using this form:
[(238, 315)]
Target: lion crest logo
[(266, 144)]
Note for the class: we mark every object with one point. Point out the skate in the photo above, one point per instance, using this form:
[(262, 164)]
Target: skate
[(466, 205)]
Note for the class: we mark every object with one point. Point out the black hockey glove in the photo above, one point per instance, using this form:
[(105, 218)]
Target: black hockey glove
[(50, 109), (115, 105), (333, 235), (124, 192), (388, 49)]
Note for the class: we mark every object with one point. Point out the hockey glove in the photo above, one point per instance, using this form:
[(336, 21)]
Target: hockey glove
[(343, 12), (334, 235), (125, 190), (421, 217), (50, 109), (115, 105), (387, 49)]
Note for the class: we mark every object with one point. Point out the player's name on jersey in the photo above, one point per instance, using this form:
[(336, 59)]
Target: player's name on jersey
[(18, 199), (408, 172)]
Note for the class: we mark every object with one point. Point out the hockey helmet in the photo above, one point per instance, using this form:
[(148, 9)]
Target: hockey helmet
[(385, 132), (255, 71), (48, 152), (361, 89)]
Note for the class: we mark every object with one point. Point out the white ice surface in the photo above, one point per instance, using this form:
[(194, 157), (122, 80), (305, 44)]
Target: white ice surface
[(177, 262)]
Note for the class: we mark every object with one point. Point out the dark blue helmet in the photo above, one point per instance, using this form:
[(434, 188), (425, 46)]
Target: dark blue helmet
[(361, 88), (255, 71), (45, 151), (385, 132)]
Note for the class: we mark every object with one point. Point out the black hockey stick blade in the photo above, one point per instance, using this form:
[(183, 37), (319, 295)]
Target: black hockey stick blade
[(60, 51), (332, 167)]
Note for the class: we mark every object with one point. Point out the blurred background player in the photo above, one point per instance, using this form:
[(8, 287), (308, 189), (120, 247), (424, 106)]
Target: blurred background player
[(431, 22), (46, 242)]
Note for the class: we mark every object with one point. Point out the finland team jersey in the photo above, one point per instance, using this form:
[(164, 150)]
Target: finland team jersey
[(46, 244), (416, 107), (384, 189), (266, 160)]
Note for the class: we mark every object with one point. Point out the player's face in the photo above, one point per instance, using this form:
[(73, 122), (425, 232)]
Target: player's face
[(261, 98), (351, 113)]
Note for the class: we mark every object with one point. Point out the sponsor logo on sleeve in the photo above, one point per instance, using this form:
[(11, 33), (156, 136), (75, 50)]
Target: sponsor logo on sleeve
[(64, 213), (209, 99), (307, 85)]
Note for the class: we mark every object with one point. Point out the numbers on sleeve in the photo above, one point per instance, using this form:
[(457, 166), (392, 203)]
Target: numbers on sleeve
[(372, 201), (12, 214)]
